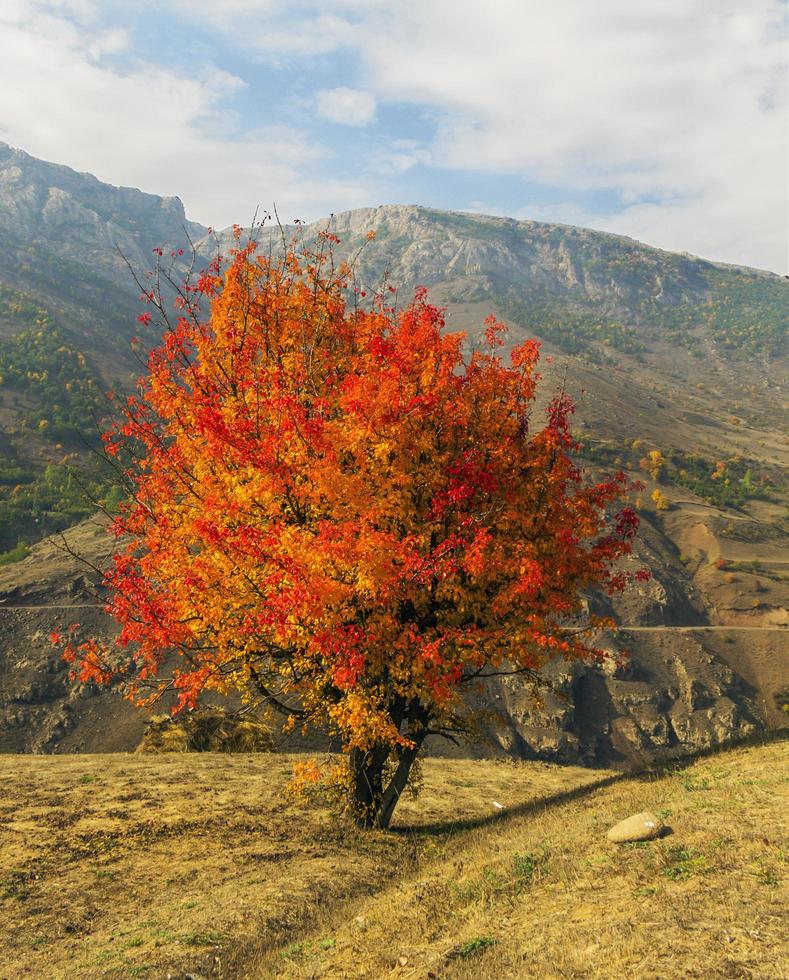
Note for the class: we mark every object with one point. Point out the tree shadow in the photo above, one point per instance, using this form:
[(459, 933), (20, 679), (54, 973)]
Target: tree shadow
[(648, 772), (505, 816)]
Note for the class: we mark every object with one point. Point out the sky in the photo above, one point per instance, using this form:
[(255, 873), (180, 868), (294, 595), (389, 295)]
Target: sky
[(665, 120)]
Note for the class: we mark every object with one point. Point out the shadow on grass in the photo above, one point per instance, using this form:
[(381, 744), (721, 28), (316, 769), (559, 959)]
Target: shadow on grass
[(649, 771), (511, 813), (316, 917)]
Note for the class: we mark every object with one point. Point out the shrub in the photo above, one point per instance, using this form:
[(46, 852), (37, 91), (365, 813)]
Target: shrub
[(207, 730)]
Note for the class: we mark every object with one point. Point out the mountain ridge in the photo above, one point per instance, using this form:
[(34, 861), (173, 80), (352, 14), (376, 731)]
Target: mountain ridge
[(87, 230), (174, 203), (670, 355)]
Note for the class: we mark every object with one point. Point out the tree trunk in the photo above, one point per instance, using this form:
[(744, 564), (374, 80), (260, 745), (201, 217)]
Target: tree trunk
[(373, 805), (398, 783), (367, 790)]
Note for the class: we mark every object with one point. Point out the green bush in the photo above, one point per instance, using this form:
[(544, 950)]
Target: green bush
[(14, 554), (41, 362)]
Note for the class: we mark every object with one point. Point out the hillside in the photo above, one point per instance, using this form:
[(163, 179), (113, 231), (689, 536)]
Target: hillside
[(151, 866), (664, 353), (679, 352)]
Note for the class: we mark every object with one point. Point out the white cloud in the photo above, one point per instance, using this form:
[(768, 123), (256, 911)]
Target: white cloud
[(679, 106), (349, 106), (679, 103), (148, 125), (275, 29), (399, 157), (108, 43), (675, 108)]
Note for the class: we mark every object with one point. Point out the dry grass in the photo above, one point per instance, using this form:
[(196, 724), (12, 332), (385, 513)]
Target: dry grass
[(545, 895), (140, 865), (207, 730), (148, 865)]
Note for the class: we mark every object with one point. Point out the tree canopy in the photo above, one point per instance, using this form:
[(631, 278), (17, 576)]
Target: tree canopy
[(342, 510)]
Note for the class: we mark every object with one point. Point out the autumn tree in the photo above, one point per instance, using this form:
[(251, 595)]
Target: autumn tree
[(660, 500), (653, 464), (345, 512)]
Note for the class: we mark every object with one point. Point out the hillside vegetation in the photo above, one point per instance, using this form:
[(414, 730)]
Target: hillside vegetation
[(126, 866), (51, 406), (68, 305), (677, 365)]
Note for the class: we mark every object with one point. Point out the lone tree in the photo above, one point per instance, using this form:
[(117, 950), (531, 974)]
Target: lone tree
[(337, 509)]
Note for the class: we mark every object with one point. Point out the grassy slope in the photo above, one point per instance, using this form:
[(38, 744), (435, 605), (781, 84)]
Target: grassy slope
[(140, 866), (545, 895)]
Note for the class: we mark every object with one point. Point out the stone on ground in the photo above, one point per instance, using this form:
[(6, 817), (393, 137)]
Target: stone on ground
[(641, 826)]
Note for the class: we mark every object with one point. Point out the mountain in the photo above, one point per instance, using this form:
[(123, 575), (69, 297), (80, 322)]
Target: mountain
[(67, 237), (678, 366)]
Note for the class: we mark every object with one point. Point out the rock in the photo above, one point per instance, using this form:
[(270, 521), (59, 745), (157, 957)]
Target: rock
[(641, 826)]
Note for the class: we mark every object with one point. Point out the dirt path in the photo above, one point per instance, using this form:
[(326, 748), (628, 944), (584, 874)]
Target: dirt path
[(76, 605), (697, 507), (693, 629)]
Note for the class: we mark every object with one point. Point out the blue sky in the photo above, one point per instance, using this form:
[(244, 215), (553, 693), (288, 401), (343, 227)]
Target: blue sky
[(665, 120)]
